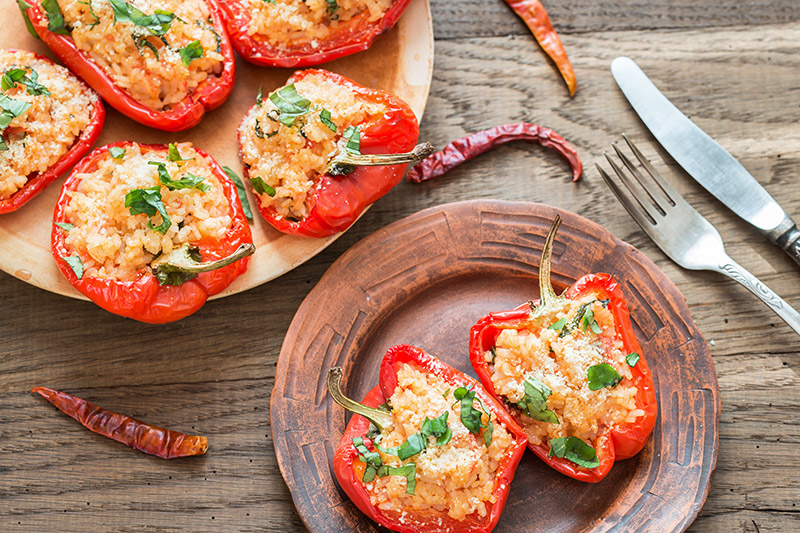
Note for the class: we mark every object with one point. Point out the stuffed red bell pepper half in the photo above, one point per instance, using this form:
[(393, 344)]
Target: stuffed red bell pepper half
[(149, 232), (570, 370), (48, 120), (296, 33), (163, 63), (428, 449), (322, 148)]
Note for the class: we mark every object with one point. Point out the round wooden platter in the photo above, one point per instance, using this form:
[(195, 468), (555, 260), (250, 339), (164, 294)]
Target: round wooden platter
[(425, 280), (400, 62)]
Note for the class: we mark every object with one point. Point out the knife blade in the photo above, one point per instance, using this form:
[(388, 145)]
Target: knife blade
[(704, 159)]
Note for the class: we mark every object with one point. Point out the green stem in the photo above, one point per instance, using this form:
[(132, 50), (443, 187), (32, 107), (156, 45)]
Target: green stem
[(546, 293), (345, 162), (381, 419), (184, 263)]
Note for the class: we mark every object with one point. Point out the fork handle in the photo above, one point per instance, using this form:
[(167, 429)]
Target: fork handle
[(735, 271)]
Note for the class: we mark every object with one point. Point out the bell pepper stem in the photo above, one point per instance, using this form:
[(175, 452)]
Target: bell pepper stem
[(546, 293), (344, 161), (381, 419), (183, 263)]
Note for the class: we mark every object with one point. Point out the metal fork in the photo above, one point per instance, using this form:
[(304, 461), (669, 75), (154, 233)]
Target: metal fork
[(681, 232)]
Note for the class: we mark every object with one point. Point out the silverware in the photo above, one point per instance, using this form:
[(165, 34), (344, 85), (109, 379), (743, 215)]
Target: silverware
[(681, 232), (705, 160)]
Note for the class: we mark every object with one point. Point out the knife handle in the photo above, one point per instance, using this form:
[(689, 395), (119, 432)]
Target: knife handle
[(790, 242), (733, 270)]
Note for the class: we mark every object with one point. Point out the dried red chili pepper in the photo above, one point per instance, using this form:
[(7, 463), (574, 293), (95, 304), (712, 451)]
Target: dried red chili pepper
[(38, 182), (532, 12), (209, 95), (473, 145), (350, 468), (140, 436), (618, 442), (150, 298), (347, 38)]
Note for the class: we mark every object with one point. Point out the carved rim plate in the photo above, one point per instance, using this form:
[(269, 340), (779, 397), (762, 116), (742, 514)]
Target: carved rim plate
[(425, 280)]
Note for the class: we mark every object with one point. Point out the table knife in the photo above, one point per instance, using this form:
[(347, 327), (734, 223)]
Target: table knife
[(704, 159)]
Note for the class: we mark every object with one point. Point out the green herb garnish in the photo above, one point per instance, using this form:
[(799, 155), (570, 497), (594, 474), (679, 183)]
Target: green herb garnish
[(23, 7), (409, 471), (353, 137), (602, 375), (117, 152), (189, 181), (13, 76), (240, 191), (493, 349), (55, 18), (66, 226), (471, 417), (372, 459), (632, 358), (75, 264), (575, 450), (261, 187), (148, 201), (291, 105), (333, 7), (190, 52), (174, 155), (157, 24), (260, 95), (10, 110), (438, 428), (413, 445), (534, 402), (558, 325), (325, 118), (92, 13)]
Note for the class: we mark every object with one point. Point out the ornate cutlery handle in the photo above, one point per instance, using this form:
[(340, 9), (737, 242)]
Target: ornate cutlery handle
[(787, 236), (730, 268)]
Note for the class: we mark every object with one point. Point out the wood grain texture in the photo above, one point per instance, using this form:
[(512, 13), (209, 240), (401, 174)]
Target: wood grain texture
[(732, 66), (426, 280)]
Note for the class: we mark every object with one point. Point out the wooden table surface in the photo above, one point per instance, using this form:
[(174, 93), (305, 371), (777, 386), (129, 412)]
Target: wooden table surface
[(732, 66)]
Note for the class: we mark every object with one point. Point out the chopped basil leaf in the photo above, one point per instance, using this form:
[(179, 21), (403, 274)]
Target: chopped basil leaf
[(190, 52), (209, 27), (55, 18), (157, 24), (587, 320), (471, 417), (92, 13), (18, 75), (602, 375), (260, 95), (260, 133), (371, 459), (174, 155), (290, 104), (413, 445), (148, 201), (189, 181), (446, 393), (240, 191), (75, 264), (487, 435), (409, 471), (66, 226), (117, 152), (143, 42), (260, 186), (325, 118), (10, 110), (269, 1), (438, 428), (353, 138), (558, 325), (632, 358), (575, 450), (493, 349), (23, 7), (534, 401), (333, 7)]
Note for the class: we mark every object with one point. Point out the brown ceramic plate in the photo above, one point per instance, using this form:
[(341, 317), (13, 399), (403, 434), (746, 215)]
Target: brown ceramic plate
[(400, 62), (425, 280)]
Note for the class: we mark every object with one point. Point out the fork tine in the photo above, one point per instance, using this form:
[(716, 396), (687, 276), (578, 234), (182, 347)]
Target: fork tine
[(665, 187), (642, 217), (647, 184), (651, 213)]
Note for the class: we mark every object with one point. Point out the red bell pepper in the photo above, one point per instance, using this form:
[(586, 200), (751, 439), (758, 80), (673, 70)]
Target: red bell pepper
[(619, 442), (338, 200), (353, 36), (146, 299), (38, 182), (210, 94), (349, 468)]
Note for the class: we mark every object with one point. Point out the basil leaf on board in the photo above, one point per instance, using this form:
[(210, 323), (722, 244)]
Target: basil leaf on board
[(75, 264), (117, 152), (325, 118), (260, 95), (240, 191), (353, 137), (66, 226), (413, 445), (261, 187), (148, 201), (190, 52), (534, 401), (55, 18), (575, 450), (632, 358), (190, 181), (174, 155), (437, 428), (13, 76), (602, 375), (23, 7), (290, 104)]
